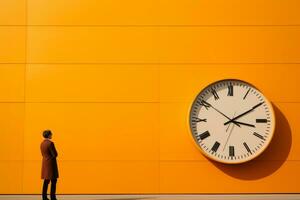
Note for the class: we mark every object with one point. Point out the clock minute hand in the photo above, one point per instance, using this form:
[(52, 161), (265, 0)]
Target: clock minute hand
[(220, 112), (244, 113)]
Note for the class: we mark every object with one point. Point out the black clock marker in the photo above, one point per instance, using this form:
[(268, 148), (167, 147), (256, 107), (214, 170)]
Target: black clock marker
[(196, 120), (205, 104), (216, 96), (259, 136), (261, 120), (204, 135), (247, 147), (247, 93), (231, 151), (230, 90), (215, 146)]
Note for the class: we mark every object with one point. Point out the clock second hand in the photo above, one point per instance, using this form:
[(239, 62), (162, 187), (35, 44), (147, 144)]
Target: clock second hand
[(229, 133)]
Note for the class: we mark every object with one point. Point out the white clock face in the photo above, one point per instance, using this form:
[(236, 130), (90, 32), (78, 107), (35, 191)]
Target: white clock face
[(231, 121)]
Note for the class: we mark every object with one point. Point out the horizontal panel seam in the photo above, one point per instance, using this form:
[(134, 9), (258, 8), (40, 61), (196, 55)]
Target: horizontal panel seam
[(150, 160), (82, 161), (116, 102), (211, 162), (150, 25), (151, 63), (166, 194)]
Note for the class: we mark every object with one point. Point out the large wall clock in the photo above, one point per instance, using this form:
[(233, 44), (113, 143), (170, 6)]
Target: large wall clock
[(231, 121)]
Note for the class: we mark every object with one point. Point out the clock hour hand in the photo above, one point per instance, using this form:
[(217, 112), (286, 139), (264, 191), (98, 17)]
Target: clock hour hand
[(208, 104), (244, 113), (246, 124)]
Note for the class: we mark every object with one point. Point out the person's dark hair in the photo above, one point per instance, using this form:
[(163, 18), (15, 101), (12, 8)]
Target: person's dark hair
[(47, 133)]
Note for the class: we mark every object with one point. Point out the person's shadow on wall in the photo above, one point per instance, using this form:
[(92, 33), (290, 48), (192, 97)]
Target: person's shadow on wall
[(270, 160)]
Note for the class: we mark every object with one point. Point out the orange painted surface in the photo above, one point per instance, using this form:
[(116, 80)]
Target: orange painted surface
[(114, 81)]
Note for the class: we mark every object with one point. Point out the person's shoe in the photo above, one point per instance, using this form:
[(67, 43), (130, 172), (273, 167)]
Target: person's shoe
[(45, 198)]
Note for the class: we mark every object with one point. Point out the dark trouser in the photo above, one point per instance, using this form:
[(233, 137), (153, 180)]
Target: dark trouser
[(53, 188)]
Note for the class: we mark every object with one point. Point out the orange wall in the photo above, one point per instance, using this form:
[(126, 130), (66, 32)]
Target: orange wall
[(114, 80)]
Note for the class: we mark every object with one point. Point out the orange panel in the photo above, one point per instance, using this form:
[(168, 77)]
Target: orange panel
[(12, 129), (97, 177), (90, 12), (12, 48), (208, 177), (163, 12), (12, 83), (13, 12), (91, 44), (163, 44), (288, 127), (11, 177), (233, 44), (94, 131), (182, 83), (232, 12), (93, 83)]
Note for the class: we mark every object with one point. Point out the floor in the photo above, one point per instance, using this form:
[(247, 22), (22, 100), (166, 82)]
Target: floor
[(159, 197)]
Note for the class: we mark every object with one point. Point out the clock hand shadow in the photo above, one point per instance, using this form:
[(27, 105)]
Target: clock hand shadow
[(270, 160)]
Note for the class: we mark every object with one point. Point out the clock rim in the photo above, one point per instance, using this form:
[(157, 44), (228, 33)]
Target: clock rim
[(272, 132)]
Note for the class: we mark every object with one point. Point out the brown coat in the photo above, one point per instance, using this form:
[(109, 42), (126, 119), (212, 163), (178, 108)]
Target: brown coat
[(49, 163)]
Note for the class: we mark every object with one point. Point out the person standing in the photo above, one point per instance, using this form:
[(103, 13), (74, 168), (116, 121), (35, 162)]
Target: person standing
[(49, 165)]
